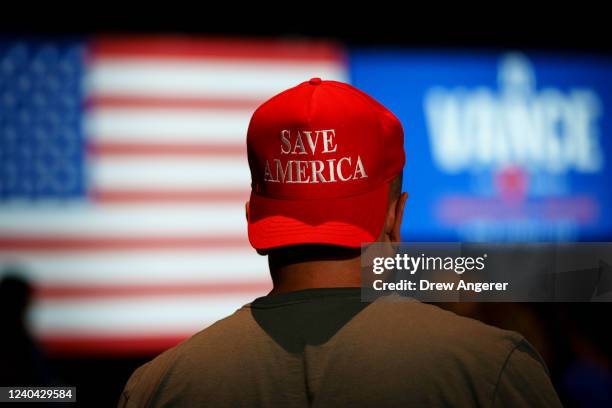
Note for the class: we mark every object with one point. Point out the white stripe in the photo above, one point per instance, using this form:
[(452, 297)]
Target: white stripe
[(146, 173), (139, 267), (131, 125), (132, 316), (83, 220), (203, 78)]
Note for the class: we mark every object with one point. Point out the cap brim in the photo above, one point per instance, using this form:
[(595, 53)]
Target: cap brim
[(347, 222)]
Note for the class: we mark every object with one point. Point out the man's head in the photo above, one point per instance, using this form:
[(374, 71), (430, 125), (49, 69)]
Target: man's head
[(326, 162)]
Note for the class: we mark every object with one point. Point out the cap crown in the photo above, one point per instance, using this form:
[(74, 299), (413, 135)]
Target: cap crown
[(323, 139)]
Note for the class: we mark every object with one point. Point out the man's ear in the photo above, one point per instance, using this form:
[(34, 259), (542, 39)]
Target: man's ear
[(393, 221), (400, 204)]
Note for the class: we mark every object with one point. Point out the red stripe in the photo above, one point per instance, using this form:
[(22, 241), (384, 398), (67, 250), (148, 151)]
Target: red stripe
[(160, 149), (194, 48), (171, 102), (65, 345), (457, 209), (106, 291), (51, 243), (137, 197)]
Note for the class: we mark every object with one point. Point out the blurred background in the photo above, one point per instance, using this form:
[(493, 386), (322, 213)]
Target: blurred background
[(123, 173)]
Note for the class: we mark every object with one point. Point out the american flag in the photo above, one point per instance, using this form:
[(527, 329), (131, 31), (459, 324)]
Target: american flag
[(124, 178)]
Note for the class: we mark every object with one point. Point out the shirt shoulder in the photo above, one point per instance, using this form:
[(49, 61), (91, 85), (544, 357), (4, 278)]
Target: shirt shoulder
[(426, 355), (524, 380), (145, 379), (428, 325), (200, 350)]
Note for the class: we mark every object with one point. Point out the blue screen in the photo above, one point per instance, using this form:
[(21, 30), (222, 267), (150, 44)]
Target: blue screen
[(499, 146)]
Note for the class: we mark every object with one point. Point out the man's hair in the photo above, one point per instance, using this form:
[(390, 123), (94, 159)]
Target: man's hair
[(298, 253)]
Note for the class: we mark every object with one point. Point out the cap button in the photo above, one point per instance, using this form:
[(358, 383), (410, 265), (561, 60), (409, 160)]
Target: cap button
[(314, 81)]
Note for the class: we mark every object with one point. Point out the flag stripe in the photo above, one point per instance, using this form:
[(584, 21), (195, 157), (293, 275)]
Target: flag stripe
[(201, 78), (165, 149), (158, 125), (89, 221), (172, 102), (134, 315), (114, 345), (169, 173), (227, 265), (46, 292), (225, 49), (108, 196), (119, 243)]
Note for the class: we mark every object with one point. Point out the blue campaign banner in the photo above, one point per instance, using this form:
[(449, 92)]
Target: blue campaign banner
[(499, 146)]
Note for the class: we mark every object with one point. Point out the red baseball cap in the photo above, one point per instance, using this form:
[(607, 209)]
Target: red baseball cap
[(322, 156)]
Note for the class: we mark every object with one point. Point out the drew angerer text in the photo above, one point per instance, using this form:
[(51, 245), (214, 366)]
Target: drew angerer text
[(425, 285)]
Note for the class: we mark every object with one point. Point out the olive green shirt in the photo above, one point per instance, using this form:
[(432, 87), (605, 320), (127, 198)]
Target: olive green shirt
[(326, 348)]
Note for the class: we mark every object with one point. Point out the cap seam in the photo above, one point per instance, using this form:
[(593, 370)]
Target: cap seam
[(358, 93), (311, 104), (373, 106)]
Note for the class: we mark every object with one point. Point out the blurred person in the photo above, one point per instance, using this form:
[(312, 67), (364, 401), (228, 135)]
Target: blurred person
[(521, 317), (21, 361), (587, 379), (326, 162)]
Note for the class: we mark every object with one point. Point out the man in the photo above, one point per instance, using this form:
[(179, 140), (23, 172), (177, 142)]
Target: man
[(326, 163)]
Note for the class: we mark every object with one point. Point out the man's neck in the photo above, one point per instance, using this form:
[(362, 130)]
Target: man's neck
[(308, 270)]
